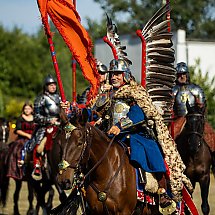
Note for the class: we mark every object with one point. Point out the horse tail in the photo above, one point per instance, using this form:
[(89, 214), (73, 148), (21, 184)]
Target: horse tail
[(4, 180)]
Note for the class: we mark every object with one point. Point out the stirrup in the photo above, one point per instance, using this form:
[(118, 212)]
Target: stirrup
[(37, 176), (168, 209)]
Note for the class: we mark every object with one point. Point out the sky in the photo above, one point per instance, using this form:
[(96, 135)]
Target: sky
[(25, 13)]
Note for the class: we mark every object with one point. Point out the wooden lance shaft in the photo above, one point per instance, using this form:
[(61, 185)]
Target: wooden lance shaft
[(74, 94), (57, 71)]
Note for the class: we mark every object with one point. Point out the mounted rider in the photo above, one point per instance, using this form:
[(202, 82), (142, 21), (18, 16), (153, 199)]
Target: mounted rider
[(103, 84), (46, 113), (130, 107), (185, 93)]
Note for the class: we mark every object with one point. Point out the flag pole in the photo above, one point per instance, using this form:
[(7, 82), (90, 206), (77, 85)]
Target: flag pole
[(57, 70), (74, 94)]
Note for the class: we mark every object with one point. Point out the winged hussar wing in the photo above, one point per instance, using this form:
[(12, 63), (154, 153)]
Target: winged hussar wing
[(113, 37), (160, 71)]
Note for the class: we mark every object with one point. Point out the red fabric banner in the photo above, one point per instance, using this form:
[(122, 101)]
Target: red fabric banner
[(66, 19)]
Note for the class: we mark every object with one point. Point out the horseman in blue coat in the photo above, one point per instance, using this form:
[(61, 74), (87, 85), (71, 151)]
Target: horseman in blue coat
[(129, 123)]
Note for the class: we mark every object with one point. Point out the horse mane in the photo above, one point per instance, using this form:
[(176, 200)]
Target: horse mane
[(100, 133)]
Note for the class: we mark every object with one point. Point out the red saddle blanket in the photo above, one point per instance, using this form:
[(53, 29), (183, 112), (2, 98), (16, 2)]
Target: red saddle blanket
[(51, 132), (209, 136), (209, 133)]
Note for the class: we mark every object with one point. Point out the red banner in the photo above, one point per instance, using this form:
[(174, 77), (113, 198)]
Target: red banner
[(66, 19)]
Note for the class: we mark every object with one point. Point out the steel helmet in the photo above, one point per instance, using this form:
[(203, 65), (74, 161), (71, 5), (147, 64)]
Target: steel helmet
[(121, 65), (102, 69), (183, 68), (48, 80)]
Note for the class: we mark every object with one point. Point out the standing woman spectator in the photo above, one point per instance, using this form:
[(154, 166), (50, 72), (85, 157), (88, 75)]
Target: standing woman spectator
[(24, 128)]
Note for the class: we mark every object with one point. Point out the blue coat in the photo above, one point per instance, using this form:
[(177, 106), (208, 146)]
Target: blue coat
[(144, 151)]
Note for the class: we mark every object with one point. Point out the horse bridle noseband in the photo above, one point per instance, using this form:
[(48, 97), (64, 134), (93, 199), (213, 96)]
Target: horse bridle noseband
[(195, 132), (102, 195), (63, 165)]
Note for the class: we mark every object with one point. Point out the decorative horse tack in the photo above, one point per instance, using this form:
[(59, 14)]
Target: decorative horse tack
[(102, 196), (69, 127), (62, 166), (168, 210)]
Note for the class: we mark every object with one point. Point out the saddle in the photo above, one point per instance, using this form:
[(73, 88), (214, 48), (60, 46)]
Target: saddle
[(209, 136), (179, 124), (47, 141), (209, 133)]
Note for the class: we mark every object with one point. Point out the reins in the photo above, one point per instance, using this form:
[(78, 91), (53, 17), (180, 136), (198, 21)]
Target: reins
[(101, 159), (196, 132)]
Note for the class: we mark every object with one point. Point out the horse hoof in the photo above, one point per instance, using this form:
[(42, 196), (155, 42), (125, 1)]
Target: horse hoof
[(31, 212)]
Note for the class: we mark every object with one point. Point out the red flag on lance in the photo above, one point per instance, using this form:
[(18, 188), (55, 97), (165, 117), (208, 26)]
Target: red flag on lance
[(66, 19)]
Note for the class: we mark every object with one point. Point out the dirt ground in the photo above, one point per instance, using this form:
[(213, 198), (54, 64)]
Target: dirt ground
[(23, 203)]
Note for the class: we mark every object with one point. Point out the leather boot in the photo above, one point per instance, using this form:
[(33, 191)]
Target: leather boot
[(36, 174), (164, 199)]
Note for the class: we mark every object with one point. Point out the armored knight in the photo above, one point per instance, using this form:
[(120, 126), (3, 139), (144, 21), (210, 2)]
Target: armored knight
[(129, 122), (46, 113), (185, 92), (103, 81)]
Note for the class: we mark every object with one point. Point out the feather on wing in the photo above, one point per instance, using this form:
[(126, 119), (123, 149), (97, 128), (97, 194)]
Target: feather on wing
[(113, 37), (160, 71)]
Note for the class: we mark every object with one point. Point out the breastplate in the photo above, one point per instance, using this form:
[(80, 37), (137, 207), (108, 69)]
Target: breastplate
[(52, 105), (120, 110), (184, 95)]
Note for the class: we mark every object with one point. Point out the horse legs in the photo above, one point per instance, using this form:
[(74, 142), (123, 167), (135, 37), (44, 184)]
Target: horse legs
[(46, 187), (62, 194), (40, 193), (30, 199), (16, 197), (204, 186)]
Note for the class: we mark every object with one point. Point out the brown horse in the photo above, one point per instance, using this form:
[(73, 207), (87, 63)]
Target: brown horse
[(4, 181), (196, 154), (110, 179)]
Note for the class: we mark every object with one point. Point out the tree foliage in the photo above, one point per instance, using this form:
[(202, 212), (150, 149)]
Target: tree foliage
[(25, 61), (208, 85), (195, 16)]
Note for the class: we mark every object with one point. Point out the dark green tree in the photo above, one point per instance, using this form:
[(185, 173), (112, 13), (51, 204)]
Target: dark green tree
[(208, 85), (195, 16), (25, 61)]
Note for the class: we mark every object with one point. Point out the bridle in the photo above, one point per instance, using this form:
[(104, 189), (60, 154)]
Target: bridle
[(85, 155), (196, 132), (64, 164), (200, 134)]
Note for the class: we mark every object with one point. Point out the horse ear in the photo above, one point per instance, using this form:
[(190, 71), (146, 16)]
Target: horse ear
[(84, 117), (188, 107)]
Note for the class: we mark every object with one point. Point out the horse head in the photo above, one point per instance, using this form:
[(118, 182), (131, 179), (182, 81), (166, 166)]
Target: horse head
[(73, 145), (195, 126)]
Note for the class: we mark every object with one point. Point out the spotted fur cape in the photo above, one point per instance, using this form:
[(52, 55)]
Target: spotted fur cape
[(155, 120)]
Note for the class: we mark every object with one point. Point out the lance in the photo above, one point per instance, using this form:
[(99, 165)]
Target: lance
[(57, 70), (74, 74), (169, 29)]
